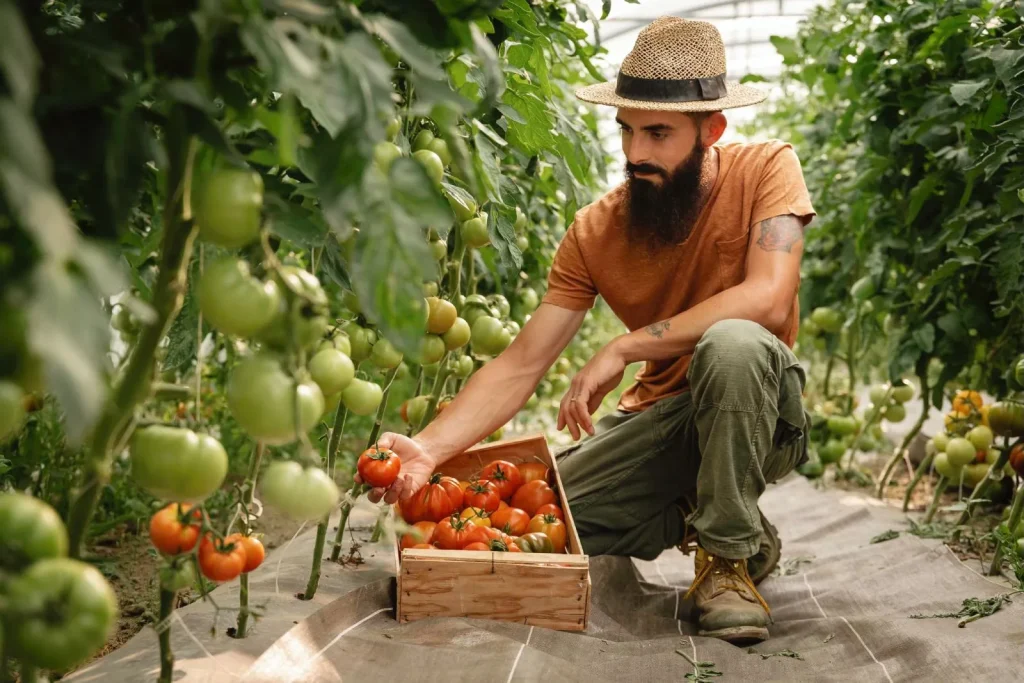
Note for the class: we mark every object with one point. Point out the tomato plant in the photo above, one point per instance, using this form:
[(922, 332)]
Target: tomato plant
[(177, 464)]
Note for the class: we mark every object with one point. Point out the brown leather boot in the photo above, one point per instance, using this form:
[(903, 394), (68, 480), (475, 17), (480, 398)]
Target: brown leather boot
[(760, 565), (730, 606)]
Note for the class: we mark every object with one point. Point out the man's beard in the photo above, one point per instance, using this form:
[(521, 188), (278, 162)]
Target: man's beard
[(663, 215)]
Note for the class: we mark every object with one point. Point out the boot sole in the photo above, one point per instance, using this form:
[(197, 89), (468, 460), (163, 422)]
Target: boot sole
[(738, 635)]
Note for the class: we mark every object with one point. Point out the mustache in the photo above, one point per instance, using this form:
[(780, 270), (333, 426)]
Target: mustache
[(633, 169)]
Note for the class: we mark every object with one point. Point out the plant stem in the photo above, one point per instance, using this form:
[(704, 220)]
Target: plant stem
[(871, 419), (1016, 511), (883, 481), (455, 267), (918, 474), (435, 392), (939, 488), (168, 295), (250, 492), (828, 374), (378, 530), (321, 529), (164, 622), (982, 487), (850, 363)]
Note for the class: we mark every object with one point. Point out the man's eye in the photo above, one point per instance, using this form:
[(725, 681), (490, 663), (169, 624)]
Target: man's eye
[(658, 136)]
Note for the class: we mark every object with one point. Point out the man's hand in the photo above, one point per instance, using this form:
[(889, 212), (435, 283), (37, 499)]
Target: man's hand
[(417, 466), (588, 388)]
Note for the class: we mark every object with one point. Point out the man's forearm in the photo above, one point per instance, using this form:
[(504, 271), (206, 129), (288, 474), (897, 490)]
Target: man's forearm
[(678, 336), (491, 397)]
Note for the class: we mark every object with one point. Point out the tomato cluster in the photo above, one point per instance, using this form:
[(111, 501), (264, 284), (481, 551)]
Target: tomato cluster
[(510, 508), (178, 527)]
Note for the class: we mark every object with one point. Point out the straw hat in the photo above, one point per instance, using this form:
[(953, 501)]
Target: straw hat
[(675, 65)]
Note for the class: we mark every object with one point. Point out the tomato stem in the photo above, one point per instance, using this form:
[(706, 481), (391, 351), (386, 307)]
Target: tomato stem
[(164, 624), (378, 530), (898, 454), (340, 417), (168, 296), (1016, 512), (243, 582), (873, 417), (981, 489), (199, 346), (918, 475), (939, 488)]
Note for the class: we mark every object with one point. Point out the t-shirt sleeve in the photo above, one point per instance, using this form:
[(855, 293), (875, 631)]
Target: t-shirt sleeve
[(569, 283), (781, 189)]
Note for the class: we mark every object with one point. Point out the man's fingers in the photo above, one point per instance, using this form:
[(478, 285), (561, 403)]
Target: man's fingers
[(583, 411), (357, 478), (375, 495), (394, 492)]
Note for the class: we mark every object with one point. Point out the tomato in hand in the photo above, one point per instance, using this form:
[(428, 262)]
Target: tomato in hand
[(531, 495), (504, 475), (552, 527), (511, 520), (435, 501), (420, 534), (226, 205), (379, 467), (221, 560), (482, 494), (31, 531), (551, 509), (169, 534), (451, 533), (532, 471)]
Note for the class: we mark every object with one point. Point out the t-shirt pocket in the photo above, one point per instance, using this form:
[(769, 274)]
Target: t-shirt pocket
[(732, 260)]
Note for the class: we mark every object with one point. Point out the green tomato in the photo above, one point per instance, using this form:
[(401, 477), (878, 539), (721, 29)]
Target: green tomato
[(981, 438), (832, 451), (351, 301), (559, 383), (226, 205), (974, 473), (991, 456), (457, 335), (60, 612), (361, 340), (442, 315), (810, 327), (432, 164), (463, 209), (523, 243), (863, 289), (385, 355), (535, 542), (440, 148), (489, 336), (423, 140), (429, 289), (501, 304), (828, 319), (812, 469), (902, 391), (177, 577), (414, 409), (432, 349), (461, 367), (474, 233), (302, 319), (842, 425), (331, 404), (124, 322), (512, 326), (941, 441), (234, 301), (1006, 418), (384, 154), (945, 468), (32, 531), (176, 464), (332, 370), (362, 397), (263, 397), (520, 220), (394, 128), (895, 413), (1018, 372), (340, 342), (528, 300), (12, 409), (879, 394), (439, 250), (303, 493), (960, 452)]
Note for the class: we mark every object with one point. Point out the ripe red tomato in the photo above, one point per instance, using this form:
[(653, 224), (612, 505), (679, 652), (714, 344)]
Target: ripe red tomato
[(420, 534), (482, 494), (439, 498), (505, 476), (221, 560), (167, 532), (451, 533), (423, 546), (551, 509), (477, 546), (511, 520), (532, 471), (1017, 459), (379, 467), (482, 534), (531, 495), (254, 550), (551, 526)]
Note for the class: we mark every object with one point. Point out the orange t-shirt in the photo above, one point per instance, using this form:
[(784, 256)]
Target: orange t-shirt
[(755, 181)]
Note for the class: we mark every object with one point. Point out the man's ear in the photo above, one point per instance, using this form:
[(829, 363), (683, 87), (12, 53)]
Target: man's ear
[(713, 127)]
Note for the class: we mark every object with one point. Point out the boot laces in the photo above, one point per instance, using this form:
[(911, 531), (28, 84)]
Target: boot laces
[(727, 575)]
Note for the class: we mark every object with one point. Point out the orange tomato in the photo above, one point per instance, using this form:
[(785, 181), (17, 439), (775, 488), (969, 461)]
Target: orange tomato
[(532, 471), (552, 527), (551, 509), (505, 475), (254, 550), (420, 534), (450, 533), (482, 534), (964, 401), (221, 560), (476, 546), (510, 520), (423, 546), (532, 495), (167, 532)]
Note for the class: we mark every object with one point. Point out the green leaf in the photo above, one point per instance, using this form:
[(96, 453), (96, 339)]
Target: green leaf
[(606, 7), (919, 195), (753, 78), (486, 165), (963, 92), (190, 94), (416, 193), (402, 41), (788, 49), (501, 221), (126, 156), (924, 337), (295, 223), (494, 80), (535, 135), (19, 62)]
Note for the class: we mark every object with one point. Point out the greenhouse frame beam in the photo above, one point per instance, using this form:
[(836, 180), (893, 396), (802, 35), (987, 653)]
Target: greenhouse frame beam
[(640, 21)]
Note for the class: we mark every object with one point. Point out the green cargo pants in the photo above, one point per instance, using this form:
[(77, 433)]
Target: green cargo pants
[(741, 426)]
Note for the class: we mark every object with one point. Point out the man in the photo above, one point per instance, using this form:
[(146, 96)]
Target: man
[(698, 253)]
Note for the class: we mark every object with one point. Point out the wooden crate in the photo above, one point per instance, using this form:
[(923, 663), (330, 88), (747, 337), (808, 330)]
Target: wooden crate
[(542, 589)]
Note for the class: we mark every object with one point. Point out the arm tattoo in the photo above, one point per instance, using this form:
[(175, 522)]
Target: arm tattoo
[(780, 233), (657, 329)]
